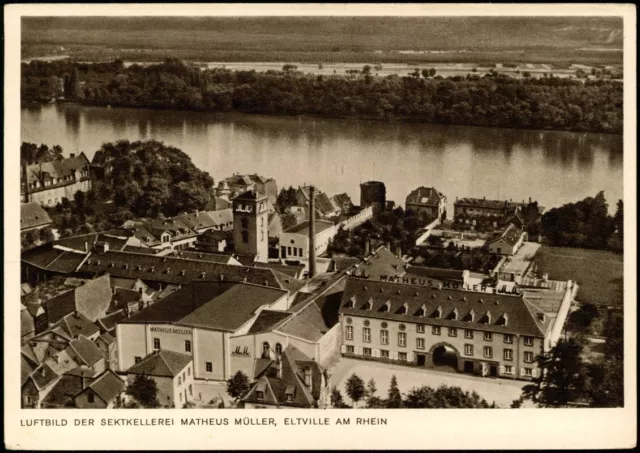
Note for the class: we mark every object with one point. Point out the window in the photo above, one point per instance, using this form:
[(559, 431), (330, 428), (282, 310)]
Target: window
[(366, 334), (420, 343), (190, 389), (260, 395), (27, 399), (289, 251), (307, 376), (265, 349), (289, 397), (384, 337), (156, 344), (488, 352), (528, 341), (90, 397), (468, 333), (468, 349), (528, 372), (189, 371), (384, 353), (508, 354), (184, 376), (278, 349), (245, 223), (245, 236), (508, 369), (187, 345), (350, 349), (435, 330), (137, 359), (508, 338), (402, 356), (420, 328), (349, 333), (179, 381), (295, 251), (208, 367), (299, 251), (366, 351), (528, 357), (402, 339), (488, 336), (453, 332)]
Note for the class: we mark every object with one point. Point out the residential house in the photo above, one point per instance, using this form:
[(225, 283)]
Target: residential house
[(294, 242), (37, 386), (428, 201), (47, 183), (33, 217), (104, 391), (237, 184), (173, 373), (507, 241), (67, 387)]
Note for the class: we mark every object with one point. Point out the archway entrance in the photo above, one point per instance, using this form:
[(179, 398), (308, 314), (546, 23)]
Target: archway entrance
[(445, 357)]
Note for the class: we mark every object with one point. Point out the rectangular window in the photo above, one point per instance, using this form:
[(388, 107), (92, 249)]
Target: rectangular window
[(349, 333), (468, 349), (488, 336), (384, 353), (420, 343), (435, 330), (402, 356), (384, 337), (189, 371), (402, 339), (528, 372), (179, 381), (137, 359), (528, 341), (508, 354), (156, 344), (508, 338), (259, 395), (488, 352), (90, 397), (300, 252), (350, 349), (468, 334), (289, 251), (184, 376), (420, 328), (508, 369), (190, 389), (366, 351), (528, 357), (295, 251), (208, 367), (187, 345), (453, 332), (366, 334)]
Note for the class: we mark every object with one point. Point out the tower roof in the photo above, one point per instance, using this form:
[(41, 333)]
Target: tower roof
[(250, 195)]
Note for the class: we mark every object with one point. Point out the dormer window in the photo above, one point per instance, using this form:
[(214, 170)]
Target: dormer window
[(541, 317), (167, 270), (350, 302), (368, 305), (470, 316), (386, 307), (504, 320), (289, 393), (422, 311), (202, 274), (487, 318), (438, 312), (183, 272), (403, 309), (454, 314)]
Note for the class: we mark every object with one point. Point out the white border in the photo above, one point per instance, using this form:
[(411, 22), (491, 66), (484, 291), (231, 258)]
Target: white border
[(406, 429)]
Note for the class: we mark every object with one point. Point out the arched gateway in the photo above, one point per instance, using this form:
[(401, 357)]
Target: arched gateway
[(444, 355)]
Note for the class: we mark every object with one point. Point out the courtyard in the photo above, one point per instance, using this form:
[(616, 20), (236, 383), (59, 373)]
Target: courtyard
[(500, 391)]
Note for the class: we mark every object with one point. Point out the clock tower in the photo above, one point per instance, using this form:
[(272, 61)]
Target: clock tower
[(250, 225)]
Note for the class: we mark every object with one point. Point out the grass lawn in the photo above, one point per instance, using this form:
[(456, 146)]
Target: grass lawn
[(599, 273)]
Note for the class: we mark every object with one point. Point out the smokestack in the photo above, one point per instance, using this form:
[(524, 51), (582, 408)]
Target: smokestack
[(312, 231), (367, 247)]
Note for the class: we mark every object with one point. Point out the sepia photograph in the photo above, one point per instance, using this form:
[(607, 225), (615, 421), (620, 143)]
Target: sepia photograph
[(320, 211)]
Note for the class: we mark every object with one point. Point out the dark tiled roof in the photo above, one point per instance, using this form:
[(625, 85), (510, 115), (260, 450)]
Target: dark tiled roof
[(250, 195), (33, 215), (381, 262), (27, 366), (180, 303), (510, 235), (67, 262), (221, 217), (174, 270), (329, 306), (323, 204), (162, 364), (43, 376), (233, 308), (343, 200), (72, 326), (109, 322), (107, 338), (123, 297), (266, 320), (41, 256), (303, 227), (27, 324), (487, 204), (343, 263), (520, 320), (290, 270), (78, 242), (426, 196), (196, 220), (143, 250), (307, 324), (88, 352), (434, 272), (91, 299), (62, 393), (57, 168), (107, 386), (221, 258)]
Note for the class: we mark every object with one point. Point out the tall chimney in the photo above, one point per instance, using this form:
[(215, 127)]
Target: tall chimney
[(367, 247), (312, 231)]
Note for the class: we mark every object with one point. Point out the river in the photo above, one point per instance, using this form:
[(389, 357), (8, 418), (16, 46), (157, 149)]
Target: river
[(337, 155)]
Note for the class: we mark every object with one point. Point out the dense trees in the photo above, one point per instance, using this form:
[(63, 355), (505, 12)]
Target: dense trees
[(586, 223), (238, 385), (492, 100), (355, 388), (144, 390)]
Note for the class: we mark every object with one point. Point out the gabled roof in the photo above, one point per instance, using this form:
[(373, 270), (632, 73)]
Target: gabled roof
[(307, 324), (79, 242), (381, 262), (62, 393), (32, 215), (425, 196), (358, 292), (43, 376), (303, 227), (27, 324), (62, 361), (54, 260), (92, 299), (71, 326), (108, 323), (486, 204), (436, 273), (86, 350), (342, 199), (107, 386), (197, 220), (107, 338), (266, 320), (221, 217), (324, 205), (510, 235), (250, 195), (233, 308), (161, 364)]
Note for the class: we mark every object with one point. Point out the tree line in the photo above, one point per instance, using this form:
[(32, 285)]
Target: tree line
[(491, 100)]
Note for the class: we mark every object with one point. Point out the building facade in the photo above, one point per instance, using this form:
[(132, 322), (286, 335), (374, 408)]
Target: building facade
[(48, 183), (476, 333), (429, 201), (294, 242)]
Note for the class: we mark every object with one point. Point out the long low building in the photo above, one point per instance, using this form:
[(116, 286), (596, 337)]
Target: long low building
[(473, 332)]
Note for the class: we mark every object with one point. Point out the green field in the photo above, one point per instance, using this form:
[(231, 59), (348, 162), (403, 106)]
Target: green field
[(599, 273), (330, 39)]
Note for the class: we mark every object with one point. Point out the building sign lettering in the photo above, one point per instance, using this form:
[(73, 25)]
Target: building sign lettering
[(172, 330), (241, 352), (445, 284)]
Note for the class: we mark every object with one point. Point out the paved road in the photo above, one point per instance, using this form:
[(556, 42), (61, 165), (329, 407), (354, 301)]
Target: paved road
[(502, 391)]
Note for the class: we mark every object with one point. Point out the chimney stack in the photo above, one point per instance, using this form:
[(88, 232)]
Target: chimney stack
[(367, 247), (399, 252), (312, 231), (279, 368)]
